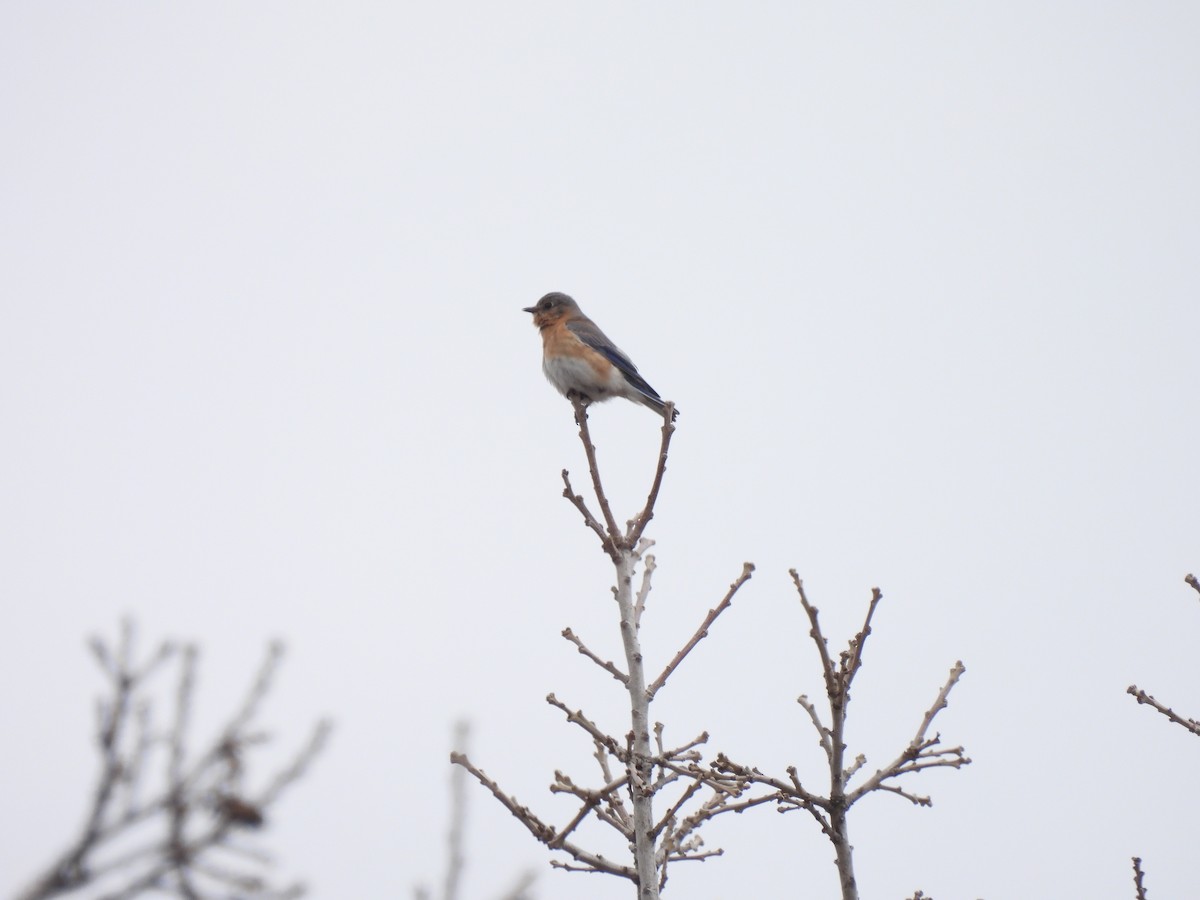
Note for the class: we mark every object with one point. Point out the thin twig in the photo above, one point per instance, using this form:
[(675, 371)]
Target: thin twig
[(1138, 877), (1141, 696), (576, 717), (856, 645), (920, 752), (815, 717), (605, 664), (648, 567), (591, 862), (702, 631), (589, 520), (589, 449), (822, 645), (647, 513)]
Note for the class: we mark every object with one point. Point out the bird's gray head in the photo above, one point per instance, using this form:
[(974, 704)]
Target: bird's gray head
[(553, 306)]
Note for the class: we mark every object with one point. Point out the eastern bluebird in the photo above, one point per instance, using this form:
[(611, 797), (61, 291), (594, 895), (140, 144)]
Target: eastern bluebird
[(581, 361)]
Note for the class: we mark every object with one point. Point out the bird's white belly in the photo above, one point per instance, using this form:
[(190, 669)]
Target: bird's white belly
[(574, 375)]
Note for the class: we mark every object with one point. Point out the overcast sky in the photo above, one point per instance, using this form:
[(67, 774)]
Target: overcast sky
[(923, 280)]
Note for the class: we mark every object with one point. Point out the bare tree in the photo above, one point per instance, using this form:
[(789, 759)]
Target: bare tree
[(637, 773), (163, 818), (636, 769), (830, 810)]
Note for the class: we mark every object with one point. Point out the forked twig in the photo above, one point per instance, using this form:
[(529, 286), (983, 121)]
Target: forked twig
[(589, 520)]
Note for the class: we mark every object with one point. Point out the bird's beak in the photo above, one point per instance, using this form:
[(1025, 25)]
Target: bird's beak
[(529, 309)]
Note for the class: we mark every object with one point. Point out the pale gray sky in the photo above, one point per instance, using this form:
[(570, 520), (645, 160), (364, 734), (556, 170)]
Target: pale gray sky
[(923, 281)]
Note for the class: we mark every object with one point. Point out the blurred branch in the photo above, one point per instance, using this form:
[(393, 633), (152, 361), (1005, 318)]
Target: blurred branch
[(196, 806), (455, 861), (456, 856), (520, 888)]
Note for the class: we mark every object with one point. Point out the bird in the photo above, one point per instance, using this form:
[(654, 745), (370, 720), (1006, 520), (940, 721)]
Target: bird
[(580, 360)]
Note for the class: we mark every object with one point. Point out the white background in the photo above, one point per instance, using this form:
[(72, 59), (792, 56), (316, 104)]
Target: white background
[(921, 279)]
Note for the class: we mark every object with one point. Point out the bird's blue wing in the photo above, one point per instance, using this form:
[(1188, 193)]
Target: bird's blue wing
[(585, 329)]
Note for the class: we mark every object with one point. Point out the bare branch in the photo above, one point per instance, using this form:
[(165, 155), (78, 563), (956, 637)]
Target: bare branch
[(1138, 876), (702, 631), (831, 688), (915, 799), (921, 753), (524, 815), (648, 568), (591, 800), (580, 504), (942, 701), (647, 513), (606, 665), (590, 862), (854, 662), (683, 751), (792, 788), (1141, 696), (669, 817), (858, 763), (814, 716), (577, 717), (589, 449)]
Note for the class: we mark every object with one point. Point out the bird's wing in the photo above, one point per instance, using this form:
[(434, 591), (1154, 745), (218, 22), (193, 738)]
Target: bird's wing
[(585, 329)]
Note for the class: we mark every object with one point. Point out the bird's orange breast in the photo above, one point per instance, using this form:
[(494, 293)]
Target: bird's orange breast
[(558, 341)]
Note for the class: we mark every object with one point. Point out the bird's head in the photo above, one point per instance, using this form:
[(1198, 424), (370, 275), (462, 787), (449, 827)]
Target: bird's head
[(552, 308)]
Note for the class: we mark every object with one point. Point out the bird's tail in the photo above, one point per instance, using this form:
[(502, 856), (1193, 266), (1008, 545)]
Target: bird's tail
[(657, 404)]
